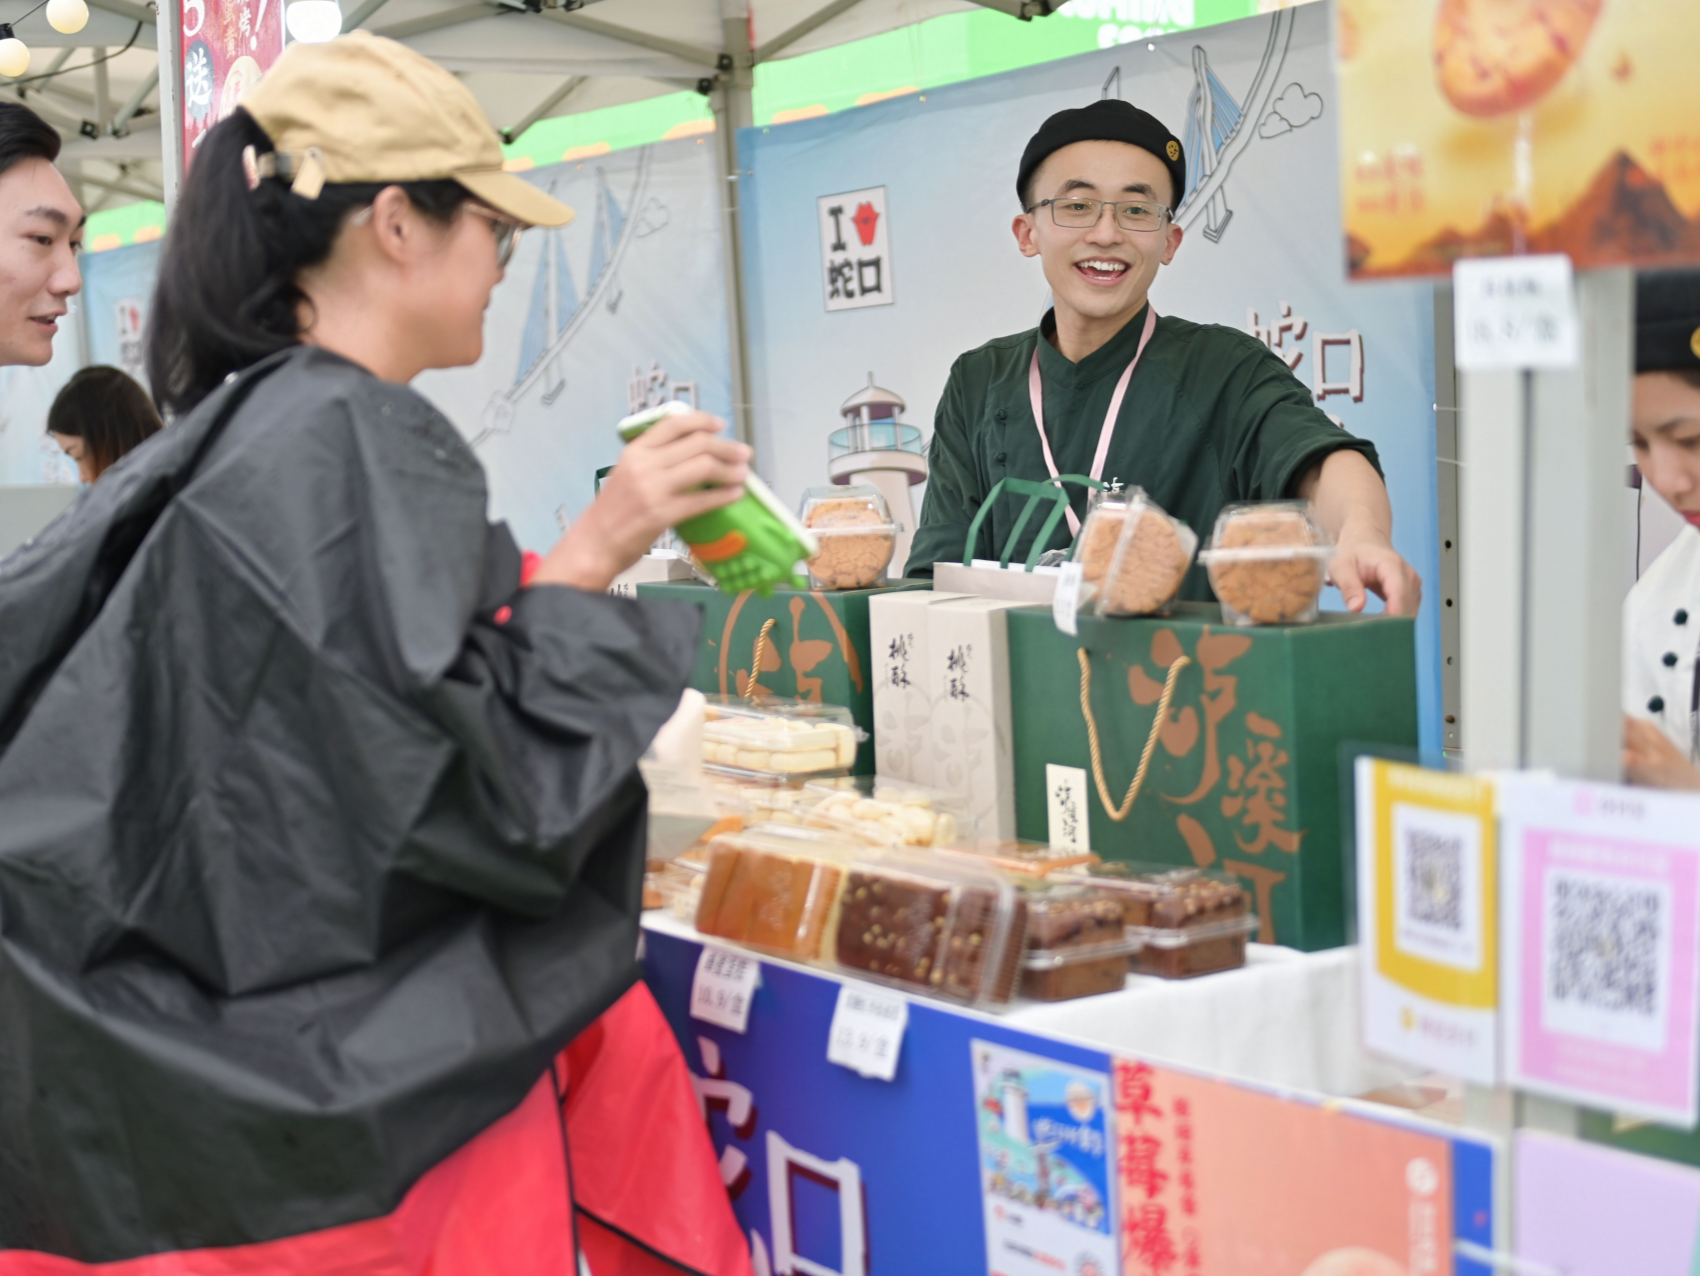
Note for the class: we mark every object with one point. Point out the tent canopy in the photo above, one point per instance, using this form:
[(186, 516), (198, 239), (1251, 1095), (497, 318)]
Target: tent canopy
[(100, 87)]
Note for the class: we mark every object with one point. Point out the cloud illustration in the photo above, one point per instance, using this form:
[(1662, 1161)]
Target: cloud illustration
[(1293, 109)]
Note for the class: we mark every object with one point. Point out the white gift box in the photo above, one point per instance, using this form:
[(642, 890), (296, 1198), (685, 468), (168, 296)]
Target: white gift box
[(972, 739), (904, 747), (987, 579)]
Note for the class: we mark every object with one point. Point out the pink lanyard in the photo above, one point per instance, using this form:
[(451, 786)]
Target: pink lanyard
[(1036, 392)]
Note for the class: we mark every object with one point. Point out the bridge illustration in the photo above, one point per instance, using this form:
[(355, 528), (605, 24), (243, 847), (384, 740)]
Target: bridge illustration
[(557, 312), (1219, 127)]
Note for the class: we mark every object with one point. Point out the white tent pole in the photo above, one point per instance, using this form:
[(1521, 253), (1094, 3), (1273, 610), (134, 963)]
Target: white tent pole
[(171, 98), (733, 110)]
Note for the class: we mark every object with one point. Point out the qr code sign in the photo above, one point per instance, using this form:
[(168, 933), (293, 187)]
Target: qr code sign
[(1606, 966), (1437, 891), (1434, 877)]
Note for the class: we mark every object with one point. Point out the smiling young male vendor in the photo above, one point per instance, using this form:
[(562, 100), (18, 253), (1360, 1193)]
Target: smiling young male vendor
[(1198, 415)]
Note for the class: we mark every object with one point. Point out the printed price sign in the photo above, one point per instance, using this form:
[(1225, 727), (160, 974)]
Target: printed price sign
[(1601, 919), (1515, 312), (1065, 603), (1068, 807), (1427, 917), (723, 987), (867, 1031)]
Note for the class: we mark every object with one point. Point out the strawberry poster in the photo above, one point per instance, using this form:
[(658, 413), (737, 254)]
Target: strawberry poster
[(227, 46), (1484, 128), (1223, 1180)]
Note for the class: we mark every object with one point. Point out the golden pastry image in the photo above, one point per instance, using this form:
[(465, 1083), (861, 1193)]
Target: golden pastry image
[(1495, 56)]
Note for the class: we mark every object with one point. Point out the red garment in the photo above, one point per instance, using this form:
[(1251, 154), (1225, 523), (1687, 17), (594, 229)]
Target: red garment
[(645, 1172)]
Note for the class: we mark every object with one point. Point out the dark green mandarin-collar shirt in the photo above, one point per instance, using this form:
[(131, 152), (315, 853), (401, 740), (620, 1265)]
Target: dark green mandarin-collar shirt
[(1211, 416)]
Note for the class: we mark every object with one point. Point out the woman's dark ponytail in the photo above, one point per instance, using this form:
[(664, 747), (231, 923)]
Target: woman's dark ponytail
[(227, 294)]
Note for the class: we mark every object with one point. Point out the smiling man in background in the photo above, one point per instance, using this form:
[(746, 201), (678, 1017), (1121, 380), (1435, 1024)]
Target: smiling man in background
[(1199, 415), (41, 230)]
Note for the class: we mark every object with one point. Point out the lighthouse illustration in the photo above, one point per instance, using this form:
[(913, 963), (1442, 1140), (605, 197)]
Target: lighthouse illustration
[(877, 448)]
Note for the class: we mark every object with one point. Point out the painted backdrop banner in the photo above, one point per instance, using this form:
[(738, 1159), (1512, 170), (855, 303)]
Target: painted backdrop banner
[(621, 309), (1253, 101)]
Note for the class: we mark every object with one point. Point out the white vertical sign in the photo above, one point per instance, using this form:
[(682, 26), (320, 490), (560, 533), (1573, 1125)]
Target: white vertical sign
[(855, 250)]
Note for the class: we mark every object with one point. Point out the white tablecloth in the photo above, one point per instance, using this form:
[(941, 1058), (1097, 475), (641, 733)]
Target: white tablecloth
[(1287, 1019)]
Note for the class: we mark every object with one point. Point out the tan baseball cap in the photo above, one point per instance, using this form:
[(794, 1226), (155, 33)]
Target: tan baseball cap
[(361, 108)]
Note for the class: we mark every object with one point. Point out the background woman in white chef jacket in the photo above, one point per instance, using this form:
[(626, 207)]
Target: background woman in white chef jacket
[(1661, 616)]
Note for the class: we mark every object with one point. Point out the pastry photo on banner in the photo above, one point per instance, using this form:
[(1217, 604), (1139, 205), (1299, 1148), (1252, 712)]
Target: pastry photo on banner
[(1485, 128)]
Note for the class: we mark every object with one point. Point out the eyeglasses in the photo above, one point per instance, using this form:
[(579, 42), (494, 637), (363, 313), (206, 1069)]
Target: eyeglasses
[(506, 230), (1130, 214)]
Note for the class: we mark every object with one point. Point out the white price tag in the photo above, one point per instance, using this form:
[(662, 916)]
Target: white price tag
[(1515, 312), (867, 1031), (724, 985), (1068, 807), (1065, 603)]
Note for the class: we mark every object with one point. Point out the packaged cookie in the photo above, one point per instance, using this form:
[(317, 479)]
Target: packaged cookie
[(1133, 555), (1268, 562), (1077, 944), (773, 889), (887, 812), (1181, 921), (774, 737), (931, 923), (855, 533)]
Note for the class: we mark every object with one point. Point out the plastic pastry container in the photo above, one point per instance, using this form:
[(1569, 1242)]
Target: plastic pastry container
[(1202, 949), (774, 889), (853, 506), (1033, 859), (1267, 563), (856, 535), (931, 923), (767, 801), (887, 812), (1133, 555), (1077, 944), (772, 737), (676, 884), (1185, 921)]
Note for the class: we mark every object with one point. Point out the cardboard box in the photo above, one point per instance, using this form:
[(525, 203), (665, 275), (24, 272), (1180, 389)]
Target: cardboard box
[(974, 743), (819, 649), (904, 699), (1246, 775), (649, 569)]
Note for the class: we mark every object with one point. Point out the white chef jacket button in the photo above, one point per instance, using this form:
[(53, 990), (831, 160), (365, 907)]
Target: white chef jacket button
[(1681, 617), (1656, 705), (1670, 660)]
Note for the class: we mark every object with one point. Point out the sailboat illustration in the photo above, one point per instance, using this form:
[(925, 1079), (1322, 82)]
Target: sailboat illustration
[(557, 311)]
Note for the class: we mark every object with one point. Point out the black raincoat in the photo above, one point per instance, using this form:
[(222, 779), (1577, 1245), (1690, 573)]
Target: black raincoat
[(318, 835)]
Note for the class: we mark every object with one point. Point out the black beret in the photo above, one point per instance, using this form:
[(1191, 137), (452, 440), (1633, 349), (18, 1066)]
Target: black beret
[(1109, 120), (1667, 321)]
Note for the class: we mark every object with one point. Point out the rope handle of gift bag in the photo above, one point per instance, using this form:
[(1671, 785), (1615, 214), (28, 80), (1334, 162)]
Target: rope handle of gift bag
[(1120, 813), (1047, 489)]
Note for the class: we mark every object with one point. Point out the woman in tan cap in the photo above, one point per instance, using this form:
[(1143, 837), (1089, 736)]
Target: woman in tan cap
[(321, 837)]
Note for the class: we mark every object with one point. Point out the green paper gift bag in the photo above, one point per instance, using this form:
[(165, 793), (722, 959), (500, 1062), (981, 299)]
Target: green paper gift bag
[(818, 648), (1244, 773)]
